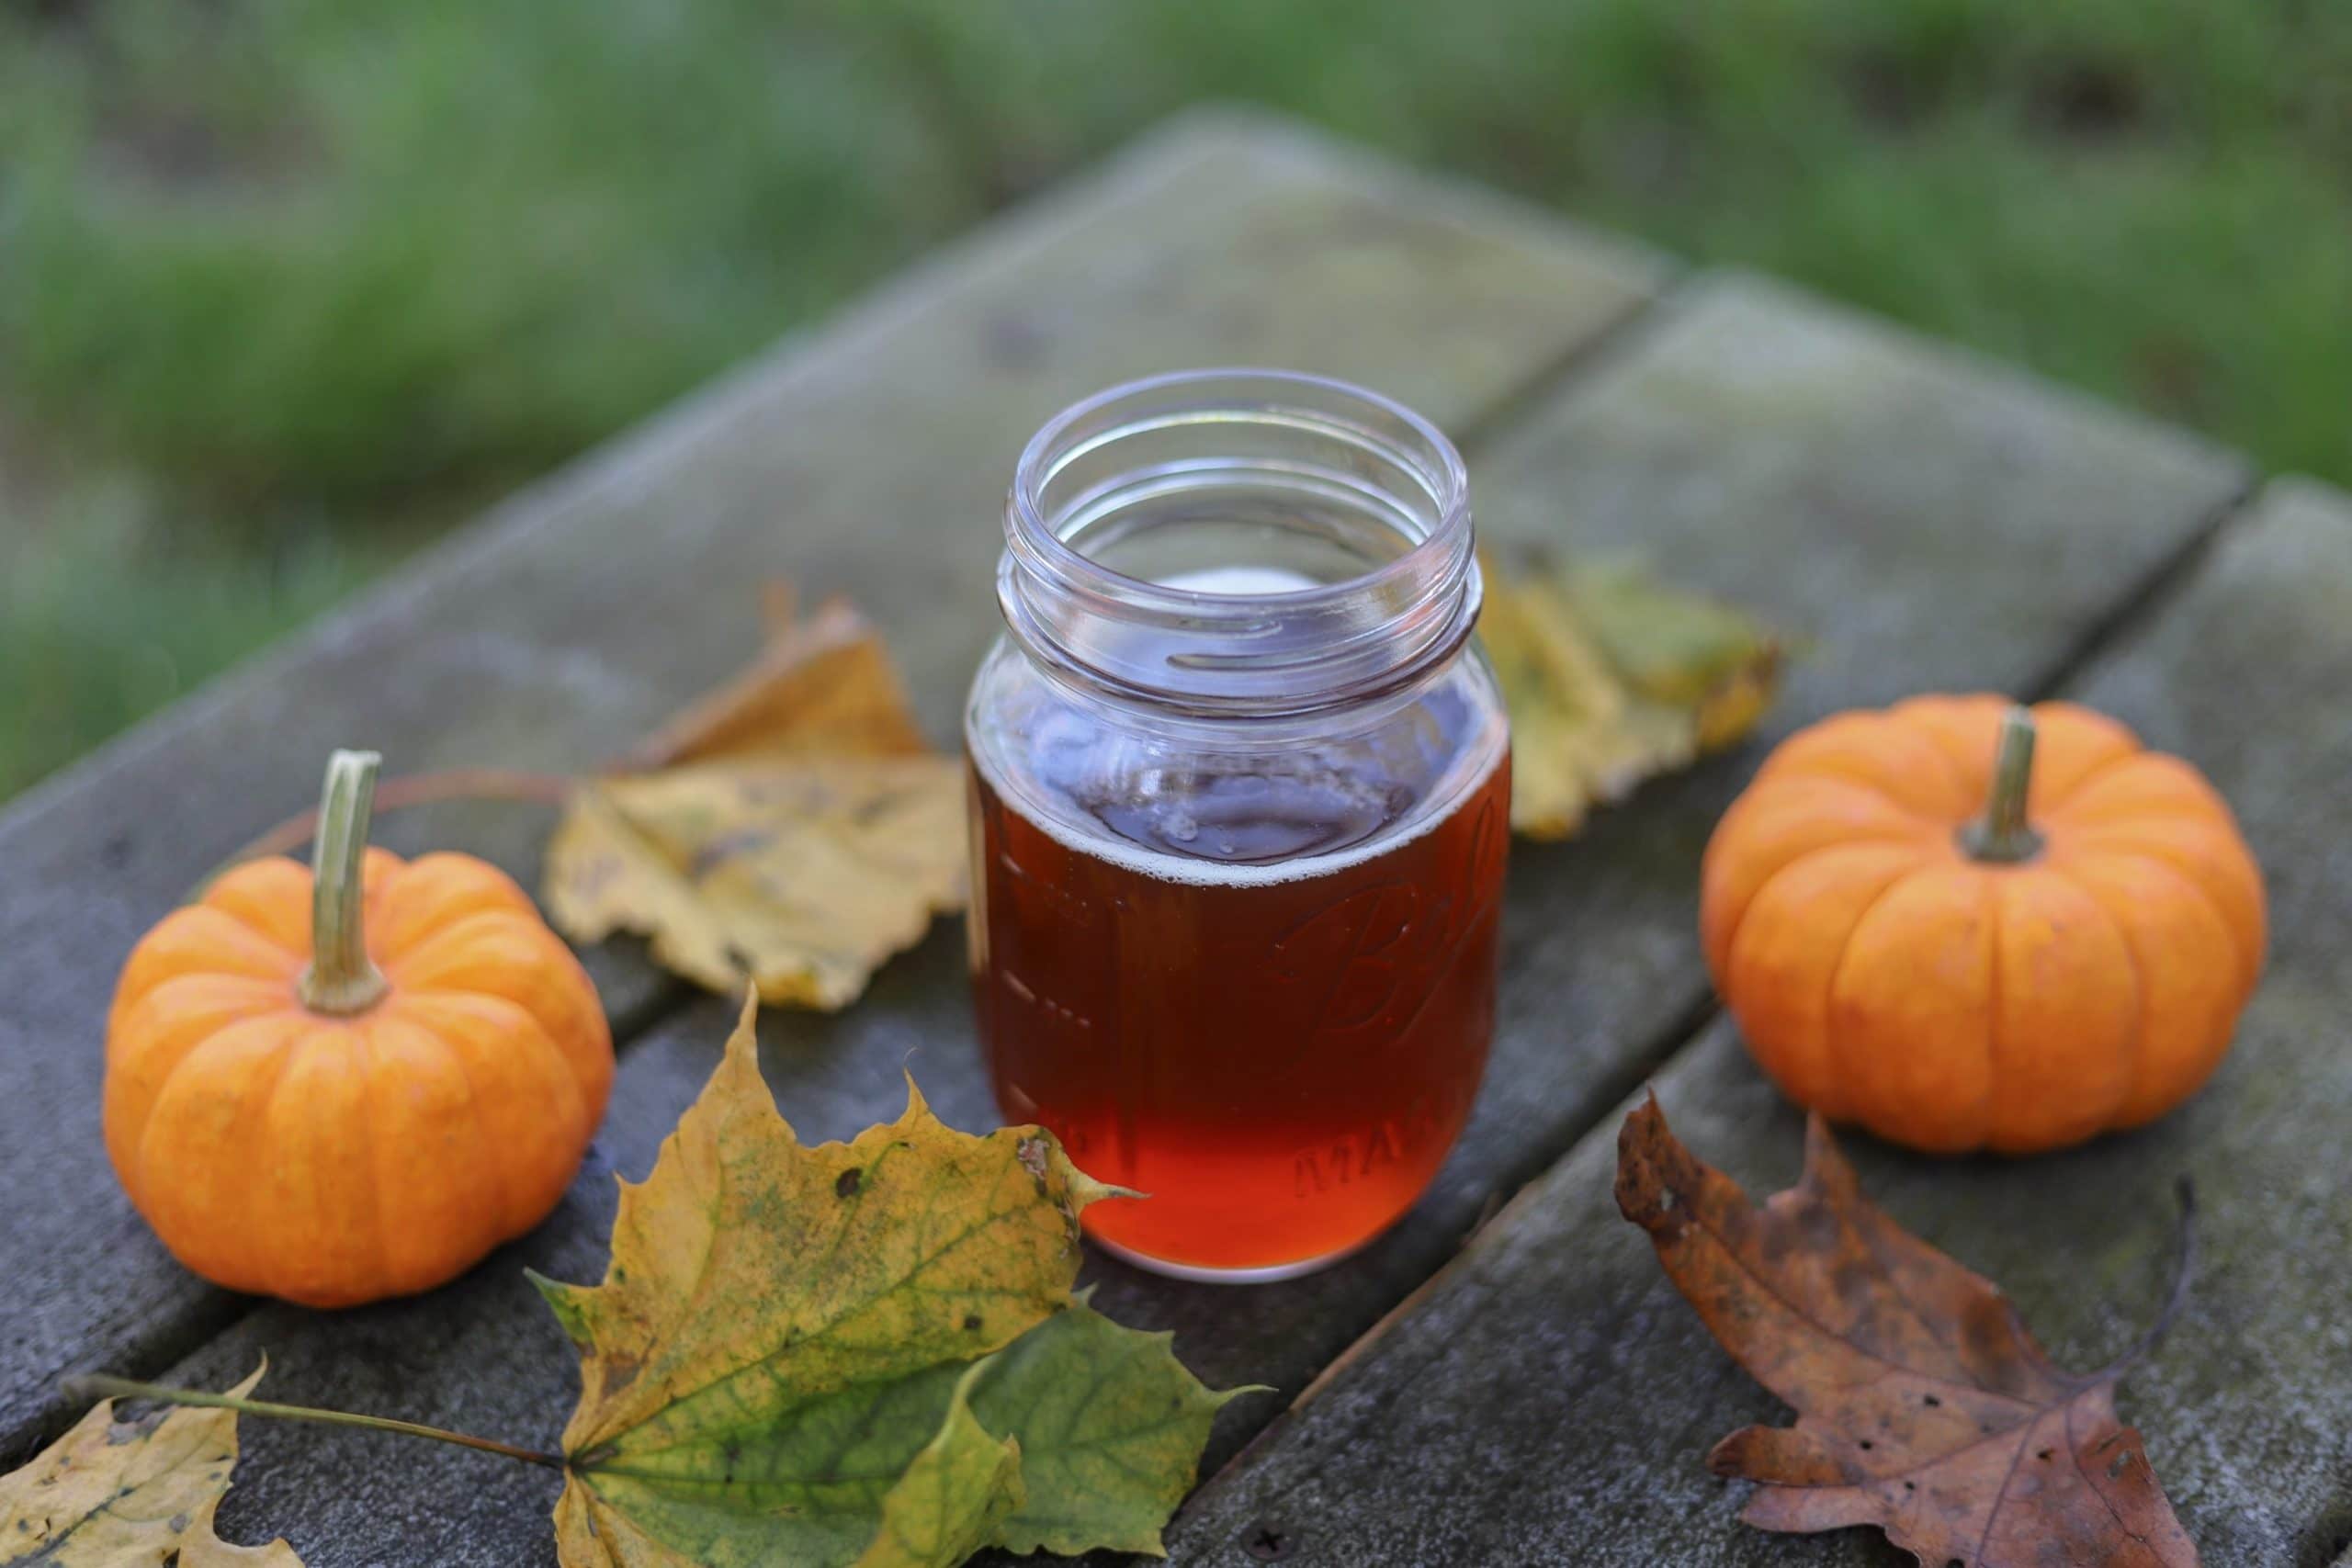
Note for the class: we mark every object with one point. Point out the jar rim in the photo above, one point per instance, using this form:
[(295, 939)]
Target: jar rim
[(1045, 452), (1294, 649)]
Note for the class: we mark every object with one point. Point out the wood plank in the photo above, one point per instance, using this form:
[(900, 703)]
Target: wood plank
[(871, 458), (1751, 429), (1553, 1390)]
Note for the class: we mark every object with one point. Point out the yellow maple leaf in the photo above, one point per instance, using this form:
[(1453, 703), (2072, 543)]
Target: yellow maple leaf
[(1613, 678), (790, 830), (111, 1492)]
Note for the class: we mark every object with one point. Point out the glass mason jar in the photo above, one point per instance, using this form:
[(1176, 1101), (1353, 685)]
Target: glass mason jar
[(1240, 798)]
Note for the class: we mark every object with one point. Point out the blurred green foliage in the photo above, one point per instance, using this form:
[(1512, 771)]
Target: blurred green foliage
[(287, 285)]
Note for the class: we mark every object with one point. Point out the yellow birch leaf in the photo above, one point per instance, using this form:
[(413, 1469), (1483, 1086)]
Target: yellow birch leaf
[(1613, 678), (112, 1494), (789, 829)]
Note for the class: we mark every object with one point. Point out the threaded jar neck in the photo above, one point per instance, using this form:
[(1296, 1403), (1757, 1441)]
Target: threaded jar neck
[(1237, 542)]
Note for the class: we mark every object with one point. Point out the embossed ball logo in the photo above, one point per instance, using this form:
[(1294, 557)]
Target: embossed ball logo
[(1369, 963)]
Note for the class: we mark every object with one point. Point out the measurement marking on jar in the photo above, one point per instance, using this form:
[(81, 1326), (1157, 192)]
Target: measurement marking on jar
[(1084, 910), (1047, 1005)]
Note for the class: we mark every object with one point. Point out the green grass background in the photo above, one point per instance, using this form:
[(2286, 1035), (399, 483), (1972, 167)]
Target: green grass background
[(287, 287)]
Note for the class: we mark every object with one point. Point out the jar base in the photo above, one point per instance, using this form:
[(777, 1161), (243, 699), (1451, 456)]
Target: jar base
[(1265, 1274)]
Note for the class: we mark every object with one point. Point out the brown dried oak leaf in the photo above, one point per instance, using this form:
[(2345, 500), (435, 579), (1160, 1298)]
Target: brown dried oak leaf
[(1923, 1405)]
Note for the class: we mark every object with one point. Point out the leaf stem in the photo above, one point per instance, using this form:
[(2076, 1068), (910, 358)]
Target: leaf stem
[(98, 1385), (406, 790), (2183, 1269)]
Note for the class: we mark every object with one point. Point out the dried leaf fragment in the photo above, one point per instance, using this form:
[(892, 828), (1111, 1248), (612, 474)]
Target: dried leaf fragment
[(789, 829), (862, 1353), (1924, 1406), (1612, 678), (822, 686), (111, 1492)]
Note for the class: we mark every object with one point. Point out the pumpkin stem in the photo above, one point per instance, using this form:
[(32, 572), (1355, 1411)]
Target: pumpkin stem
[(101, 1386), (341, 978), (2002, 835)]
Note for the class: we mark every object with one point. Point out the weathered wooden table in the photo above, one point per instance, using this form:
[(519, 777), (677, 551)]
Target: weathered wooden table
[(1924, 520)]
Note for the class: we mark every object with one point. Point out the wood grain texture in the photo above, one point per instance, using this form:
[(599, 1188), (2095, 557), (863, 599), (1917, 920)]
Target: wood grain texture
[(1744, 440), (1554, 1399), (871, 458)]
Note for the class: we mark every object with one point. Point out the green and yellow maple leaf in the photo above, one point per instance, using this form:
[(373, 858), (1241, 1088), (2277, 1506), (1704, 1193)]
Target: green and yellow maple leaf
[(863, 1353), (111, 1492), (1613, 678)]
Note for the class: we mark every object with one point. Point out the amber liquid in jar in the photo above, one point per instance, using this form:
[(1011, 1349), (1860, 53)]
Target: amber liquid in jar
[(1265, 999), (1241, 805)]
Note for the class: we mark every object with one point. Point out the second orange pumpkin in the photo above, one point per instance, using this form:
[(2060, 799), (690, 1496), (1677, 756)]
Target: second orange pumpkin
[(1963, 927)]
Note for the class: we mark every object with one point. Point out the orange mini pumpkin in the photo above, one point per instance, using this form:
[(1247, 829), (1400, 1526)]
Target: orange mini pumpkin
[(349, 1082), (1921, 928)]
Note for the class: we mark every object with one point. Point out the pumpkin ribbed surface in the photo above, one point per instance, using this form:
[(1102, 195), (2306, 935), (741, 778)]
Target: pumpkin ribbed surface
[(1886, 972), (336, 1159)]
